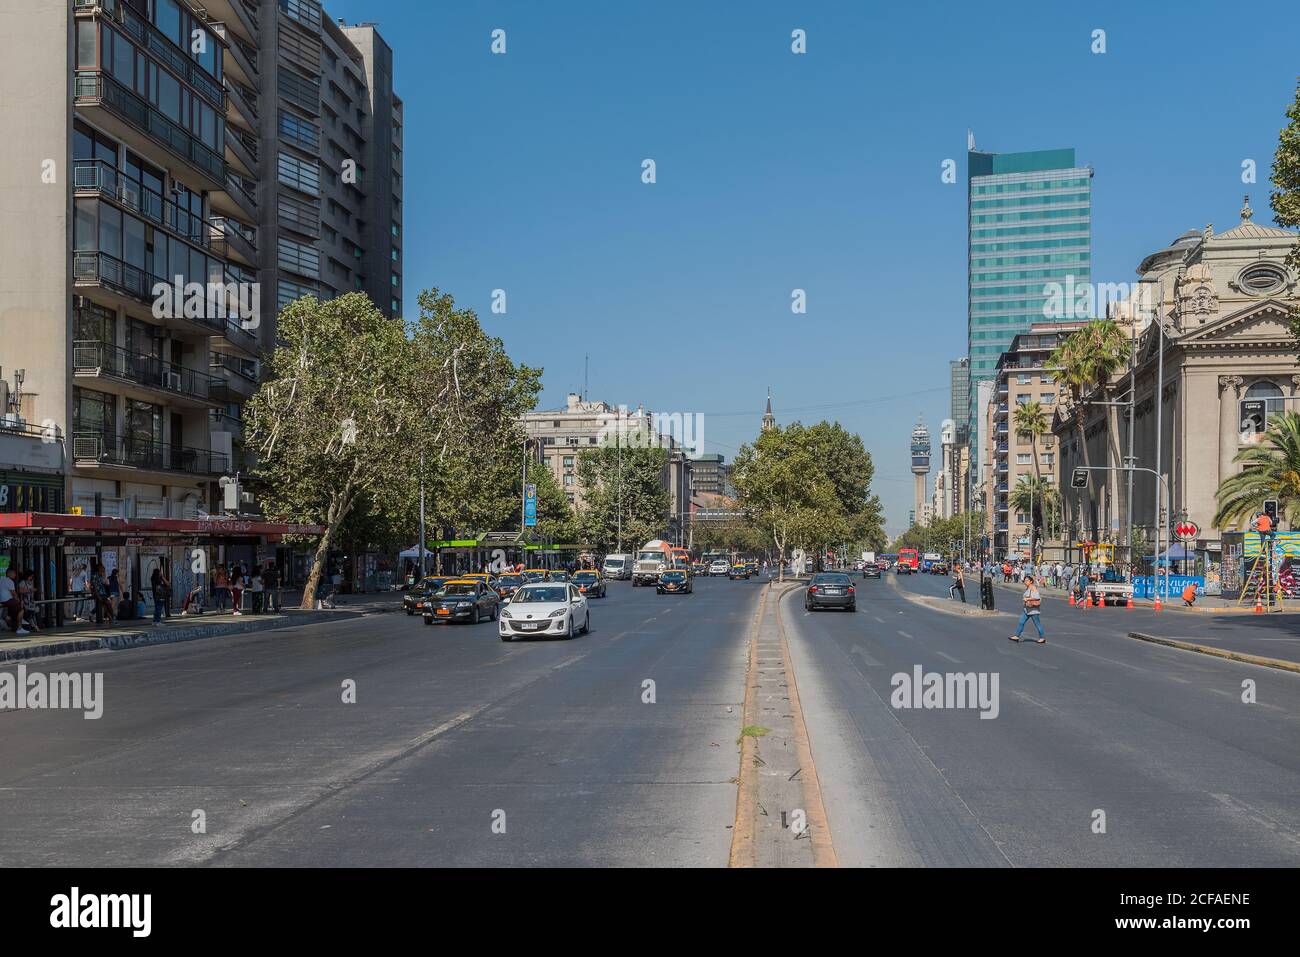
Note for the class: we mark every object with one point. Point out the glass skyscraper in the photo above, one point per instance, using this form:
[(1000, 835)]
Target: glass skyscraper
[(1029, 224)]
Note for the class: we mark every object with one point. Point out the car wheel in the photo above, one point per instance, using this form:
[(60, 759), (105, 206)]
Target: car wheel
[(496, 610), (853, 607), (428, 621), (505, 637), (477, 616), (410, 611), (569, 635), (586, 623)]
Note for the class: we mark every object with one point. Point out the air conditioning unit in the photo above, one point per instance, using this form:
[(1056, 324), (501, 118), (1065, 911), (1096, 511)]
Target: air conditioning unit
[(172, 380)]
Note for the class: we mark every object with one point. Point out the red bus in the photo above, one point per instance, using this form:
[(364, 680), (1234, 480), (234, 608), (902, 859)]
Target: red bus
[(909, 562)]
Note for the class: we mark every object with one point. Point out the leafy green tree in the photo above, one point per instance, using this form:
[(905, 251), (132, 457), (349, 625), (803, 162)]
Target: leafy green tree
[(1270, 470), (1285, 198), (332, 422), (626, 481), (1040, 500)]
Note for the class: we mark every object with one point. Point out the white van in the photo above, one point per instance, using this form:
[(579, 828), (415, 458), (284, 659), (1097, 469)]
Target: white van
[(617, 567)]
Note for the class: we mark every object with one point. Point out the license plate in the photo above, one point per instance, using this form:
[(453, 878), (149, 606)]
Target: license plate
[(834, 591), (530, 627), (443, 611)]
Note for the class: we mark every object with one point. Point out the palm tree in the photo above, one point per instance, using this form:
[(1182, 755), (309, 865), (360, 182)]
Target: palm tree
[(1031, 420), (1270, 470), (1087, 359), (1039, 499)]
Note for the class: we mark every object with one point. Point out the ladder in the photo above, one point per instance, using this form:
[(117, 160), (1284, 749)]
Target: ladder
[(1262, 586)]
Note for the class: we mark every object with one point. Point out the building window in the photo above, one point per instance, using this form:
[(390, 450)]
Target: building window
[(568, 480), (299, 258), (299, 175), (1022, 378), (1023, 458), (568, 461), (1270, 393), (1047, 398), (94, 412)]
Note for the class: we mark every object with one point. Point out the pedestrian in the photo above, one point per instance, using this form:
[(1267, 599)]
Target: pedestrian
[(236, 589), (271, 581), (10, 603), (986, 589), (99, 594), (166, 588), (257, 586), (220, 588), (27, 598), (157, 588), (958, 583), (114, 593), (77, 584), (1032, 602)]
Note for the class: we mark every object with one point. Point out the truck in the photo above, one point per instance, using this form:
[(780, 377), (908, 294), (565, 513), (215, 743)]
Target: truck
[(868, 558), (909, 562), (655, 556)]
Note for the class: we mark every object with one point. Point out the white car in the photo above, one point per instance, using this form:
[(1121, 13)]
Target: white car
[(545, 608), (719, 567)]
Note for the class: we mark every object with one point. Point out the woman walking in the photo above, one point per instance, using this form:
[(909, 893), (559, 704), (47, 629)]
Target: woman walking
[(1032, 602), (958, 583)]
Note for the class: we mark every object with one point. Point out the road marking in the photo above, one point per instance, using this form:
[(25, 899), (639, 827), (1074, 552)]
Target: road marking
[(865, 655), (944, 654), (1034, 701)]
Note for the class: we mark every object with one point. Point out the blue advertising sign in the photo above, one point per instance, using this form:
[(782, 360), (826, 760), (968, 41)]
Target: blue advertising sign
[(530, 505)]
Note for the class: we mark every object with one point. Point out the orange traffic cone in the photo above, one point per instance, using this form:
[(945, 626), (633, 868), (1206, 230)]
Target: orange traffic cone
[(1158, 605), (1130, 600), (1072, 601), (1259, 607)]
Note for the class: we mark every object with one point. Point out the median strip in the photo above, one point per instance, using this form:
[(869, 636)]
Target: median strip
[(780, 818), (1219, 652)]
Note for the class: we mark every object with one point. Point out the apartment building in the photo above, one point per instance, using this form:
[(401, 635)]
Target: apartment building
[(560, 435), (231, 150), (1022, 375)]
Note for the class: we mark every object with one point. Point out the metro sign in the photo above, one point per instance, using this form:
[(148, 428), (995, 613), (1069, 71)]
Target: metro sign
[(1186, 531)]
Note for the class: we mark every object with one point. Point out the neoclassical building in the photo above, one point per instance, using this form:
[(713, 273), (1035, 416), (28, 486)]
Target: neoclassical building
[(1223, 300)]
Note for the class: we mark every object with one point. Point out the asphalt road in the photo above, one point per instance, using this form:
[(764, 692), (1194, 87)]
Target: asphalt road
[(1156, 739), (452, 732)]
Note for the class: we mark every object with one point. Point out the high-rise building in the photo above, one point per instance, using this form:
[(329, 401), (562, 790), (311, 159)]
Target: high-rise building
[(1029, 226), (249, 150)]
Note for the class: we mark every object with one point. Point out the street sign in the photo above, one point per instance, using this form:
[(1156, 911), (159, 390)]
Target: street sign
[(1186, 531), (1079, 479), (530, 505), (1254, 420)]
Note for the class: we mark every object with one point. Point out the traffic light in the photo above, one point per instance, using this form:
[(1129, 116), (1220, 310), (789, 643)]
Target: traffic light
[(1270, 509), (1079, 479)]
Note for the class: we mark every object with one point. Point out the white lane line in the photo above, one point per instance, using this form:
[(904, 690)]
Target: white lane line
[(1034, 701), (879, 619), (943, 654), (866, 657), (905, 634)]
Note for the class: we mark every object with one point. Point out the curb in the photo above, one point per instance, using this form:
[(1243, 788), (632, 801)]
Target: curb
[(947, 606), (122, 641), (1219, 652)]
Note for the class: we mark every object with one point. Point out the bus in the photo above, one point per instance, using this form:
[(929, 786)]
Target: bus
[(909, 562)]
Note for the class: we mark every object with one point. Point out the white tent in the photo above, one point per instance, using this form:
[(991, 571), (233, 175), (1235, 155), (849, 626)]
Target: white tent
[(414, 552)]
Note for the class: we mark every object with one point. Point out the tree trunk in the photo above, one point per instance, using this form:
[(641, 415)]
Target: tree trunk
[(317, 563)]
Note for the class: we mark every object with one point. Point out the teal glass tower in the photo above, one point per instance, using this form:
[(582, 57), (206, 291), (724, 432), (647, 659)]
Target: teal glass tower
[(1029, 221)]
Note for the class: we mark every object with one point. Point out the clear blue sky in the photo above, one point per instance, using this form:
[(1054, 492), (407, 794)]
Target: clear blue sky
[(778, 171)]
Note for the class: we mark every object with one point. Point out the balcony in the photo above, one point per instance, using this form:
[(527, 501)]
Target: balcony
[(227, 423), (131, 286), (234, 15), (1002, 466), (161, 46), (141, 126), (237, 378), (144, 375), (245, 103), (96, 176), (236, 197), (96, 450), (232, 239), (240, 60), (306, 12)]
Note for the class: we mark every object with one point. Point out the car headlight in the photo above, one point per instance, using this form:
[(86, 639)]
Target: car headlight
[(462, 604), (505, 613), (559, 613)]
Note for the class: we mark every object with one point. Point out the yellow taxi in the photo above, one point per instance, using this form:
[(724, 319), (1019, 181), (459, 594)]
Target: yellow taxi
[(534, 575)]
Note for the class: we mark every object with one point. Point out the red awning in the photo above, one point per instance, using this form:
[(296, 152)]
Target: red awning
[(49, 522)]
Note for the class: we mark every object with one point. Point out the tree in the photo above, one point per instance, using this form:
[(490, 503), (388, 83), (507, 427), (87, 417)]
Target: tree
[(1087, 359), (1270, 470), (627, 480), (1285, 198), (1040, 500), (332, 421), (1030, 419)]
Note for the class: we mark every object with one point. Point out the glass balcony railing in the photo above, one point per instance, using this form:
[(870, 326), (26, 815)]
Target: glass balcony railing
[(98, 176), (99, 88), (95, 448), (98, 358), (93, 267)]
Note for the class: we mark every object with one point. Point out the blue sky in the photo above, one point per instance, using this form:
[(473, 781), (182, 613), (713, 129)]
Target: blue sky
[(777, 171)]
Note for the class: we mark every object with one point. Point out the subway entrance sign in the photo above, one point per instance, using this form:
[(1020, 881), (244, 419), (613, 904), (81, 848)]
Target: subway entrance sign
[(1079, 479)]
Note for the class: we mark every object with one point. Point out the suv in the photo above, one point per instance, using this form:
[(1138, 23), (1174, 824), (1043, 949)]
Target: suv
[(719, 567)]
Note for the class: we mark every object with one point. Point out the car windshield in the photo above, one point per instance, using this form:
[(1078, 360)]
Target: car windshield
[(585, 577), (540, 595), (535, 576), (559, 576), (433, 584), (510, 580), (824, 579), (614, 562), (650, 556), (458, 588), (673, 576)]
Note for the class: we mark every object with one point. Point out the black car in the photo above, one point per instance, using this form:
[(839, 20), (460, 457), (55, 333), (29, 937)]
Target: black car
[(558, 575), (589, 583), (674, 582), (462, 599), (830, 590), (413, 600), (870, 570), (738, 570)]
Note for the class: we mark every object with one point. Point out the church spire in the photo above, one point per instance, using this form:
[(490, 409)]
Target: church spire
[(769, 420)]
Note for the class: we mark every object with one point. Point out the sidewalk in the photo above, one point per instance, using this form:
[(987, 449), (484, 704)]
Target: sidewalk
[(88, 636), (1205, 604)]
